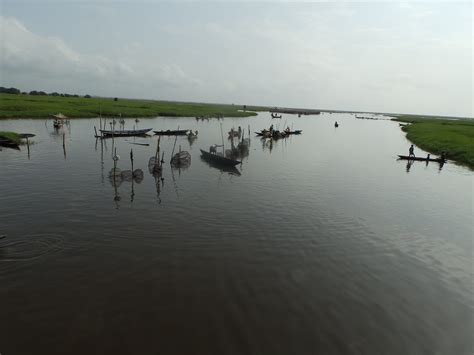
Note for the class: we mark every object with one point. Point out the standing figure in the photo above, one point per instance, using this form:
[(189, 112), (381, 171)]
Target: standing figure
[(411, 151)]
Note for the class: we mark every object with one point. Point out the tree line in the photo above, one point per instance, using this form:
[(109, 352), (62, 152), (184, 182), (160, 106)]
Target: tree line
[(16, 91)]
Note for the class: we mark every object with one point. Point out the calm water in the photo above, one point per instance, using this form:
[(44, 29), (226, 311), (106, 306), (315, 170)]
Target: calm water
[(322, 243)]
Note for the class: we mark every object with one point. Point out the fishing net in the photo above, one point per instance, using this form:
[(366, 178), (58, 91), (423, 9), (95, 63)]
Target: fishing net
[(154, 166), (116, 176), (181, 160)]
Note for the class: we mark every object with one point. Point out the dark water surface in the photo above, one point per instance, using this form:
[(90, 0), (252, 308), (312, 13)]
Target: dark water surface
[(324, 244)]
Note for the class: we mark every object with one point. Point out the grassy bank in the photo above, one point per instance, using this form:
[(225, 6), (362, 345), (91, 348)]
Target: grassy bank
[(30, 106), (10, 136), (456, 137)]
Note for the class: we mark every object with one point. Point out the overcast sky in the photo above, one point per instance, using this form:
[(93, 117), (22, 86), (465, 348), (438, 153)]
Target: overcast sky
[(376, 56)]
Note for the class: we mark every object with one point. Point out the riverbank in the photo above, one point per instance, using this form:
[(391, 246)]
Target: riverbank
[(32, 106), (455, 137)]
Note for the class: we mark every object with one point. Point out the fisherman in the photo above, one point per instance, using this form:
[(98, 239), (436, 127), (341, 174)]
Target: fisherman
[(271, 129), (428, 157), (212, 148), (336, 124), (411, 151), (443, 156)]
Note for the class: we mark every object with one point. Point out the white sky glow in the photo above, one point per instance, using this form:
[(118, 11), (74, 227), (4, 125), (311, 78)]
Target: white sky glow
[(362, 56)]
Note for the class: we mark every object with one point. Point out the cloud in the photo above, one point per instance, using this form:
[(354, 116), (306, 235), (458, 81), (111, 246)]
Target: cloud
[(37, 62), (359, 56)]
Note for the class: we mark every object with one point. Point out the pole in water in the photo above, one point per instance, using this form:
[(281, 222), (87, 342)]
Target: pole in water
[(28, 146), (64, 145), (95, 130), (131, 159), (222, 136)]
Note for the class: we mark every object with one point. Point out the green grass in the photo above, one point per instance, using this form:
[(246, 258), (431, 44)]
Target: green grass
[(28, 106), (456, 137), (11, 136)]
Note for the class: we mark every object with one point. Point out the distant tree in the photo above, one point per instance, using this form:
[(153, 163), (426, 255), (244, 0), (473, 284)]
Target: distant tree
[(24, 93), (34, 92), (87, 96), (9, 90), (62, 95), (54, 94), (245, 107), (75, 95), (115, 99)]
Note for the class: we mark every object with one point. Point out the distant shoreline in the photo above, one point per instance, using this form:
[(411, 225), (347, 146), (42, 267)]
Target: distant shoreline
[(22, 106), (44, 106), (453, 135)]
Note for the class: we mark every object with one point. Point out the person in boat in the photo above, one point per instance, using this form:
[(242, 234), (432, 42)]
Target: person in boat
[(288, 130), (271, 129), (213, 149), (411, 151), (336, 124), (443, 156), (428, 157)]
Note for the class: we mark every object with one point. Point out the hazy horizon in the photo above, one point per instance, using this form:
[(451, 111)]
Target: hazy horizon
[(373, 57)]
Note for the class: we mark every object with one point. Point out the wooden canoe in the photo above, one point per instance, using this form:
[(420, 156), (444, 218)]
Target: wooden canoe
[(406, 157), (9, 144), (125, 133), (232, 170), (218, 159), (176, 132)]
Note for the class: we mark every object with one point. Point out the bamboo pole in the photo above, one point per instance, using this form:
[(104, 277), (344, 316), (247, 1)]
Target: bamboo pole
[(28, 146), (222, 136), (64, 145)]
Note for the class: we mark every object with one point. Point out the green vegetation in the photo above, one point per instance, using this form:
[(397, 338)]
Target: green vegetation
[(38, 106), (455, 137), (10, 136)]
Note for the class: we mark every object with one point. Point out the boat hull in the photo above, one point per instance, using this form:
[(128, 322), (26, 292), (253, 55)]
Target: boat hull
[(125, 133), (180, 132), (406, 157), (218, 159), (9, 144)]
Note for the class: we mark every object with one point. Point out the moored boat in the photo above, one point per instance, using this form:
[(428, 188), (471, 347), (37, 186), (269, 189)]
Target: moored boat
[(296, 131), (124, 133), (8, 143), (176, 132), (219, 159)]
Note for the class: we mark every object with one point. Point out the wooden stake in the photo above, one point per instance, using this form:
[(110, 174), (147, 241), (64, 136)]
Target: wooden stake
[(28, 146)]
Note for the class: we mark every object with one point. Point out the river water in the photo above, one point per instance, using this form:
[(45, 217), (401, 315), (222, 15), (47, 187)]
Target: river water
[(321, 243)]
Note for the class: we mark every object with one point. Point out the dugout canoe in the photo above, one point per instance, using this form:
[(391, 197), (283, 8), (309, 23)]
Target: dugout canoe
[(406, 157)]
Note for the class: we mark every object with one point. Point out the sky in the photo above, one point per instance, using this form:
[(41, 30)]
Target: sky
[(382, 56)]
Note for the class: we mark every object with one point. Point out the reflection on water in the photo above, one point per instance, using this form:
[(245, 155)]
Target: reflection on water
[(318, 243), (411, 162)]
